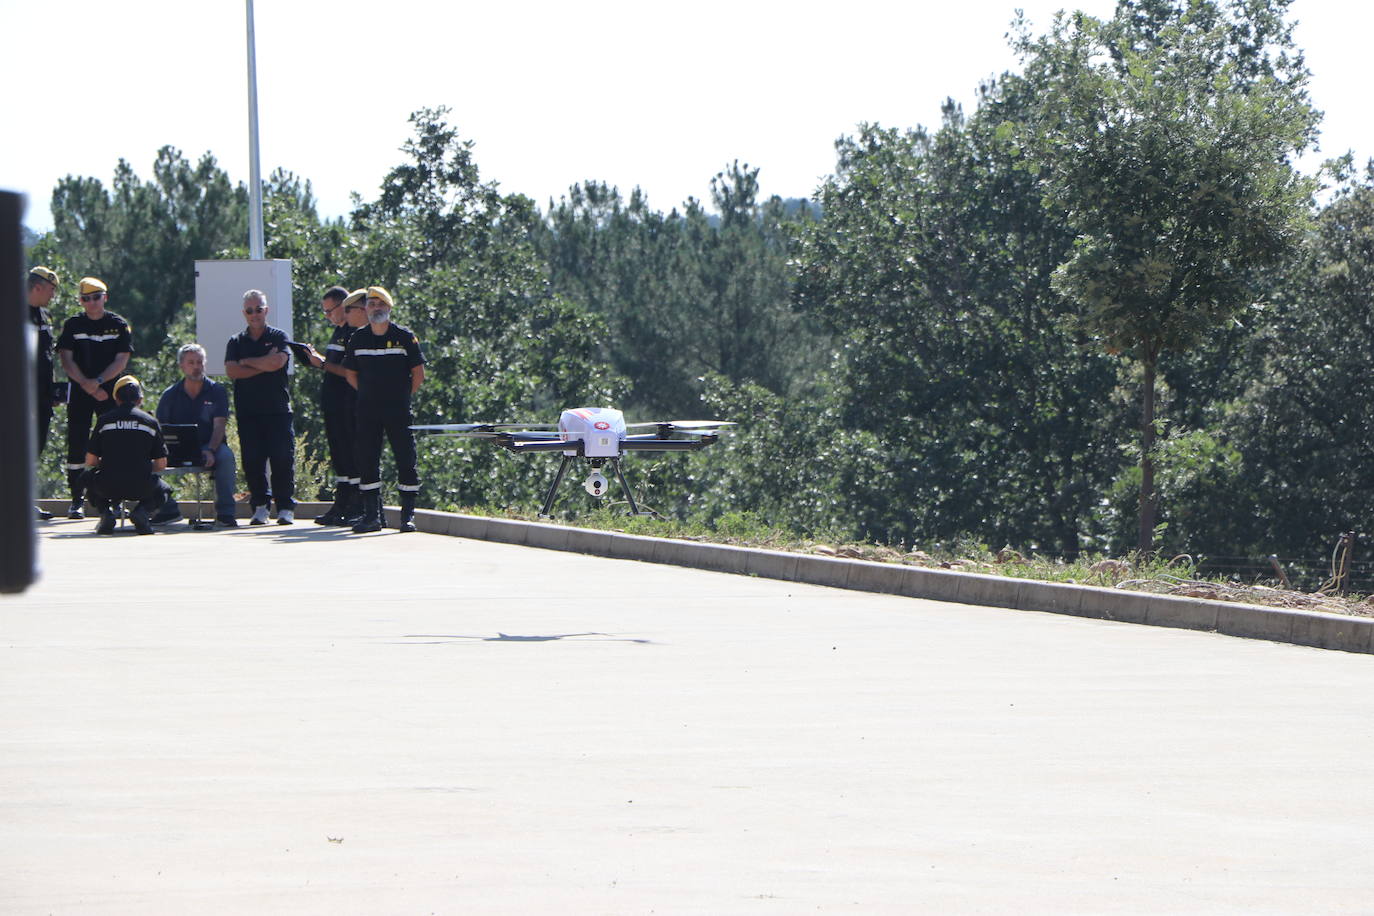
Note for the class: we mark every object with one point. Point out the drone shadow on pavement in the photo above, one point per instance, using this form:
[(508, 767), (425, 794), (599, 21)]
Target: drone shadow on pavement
[(434, 639)]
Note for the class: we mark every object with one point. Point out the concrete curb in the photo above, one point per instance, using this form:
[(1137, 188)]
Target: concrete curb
[(1302, 628)]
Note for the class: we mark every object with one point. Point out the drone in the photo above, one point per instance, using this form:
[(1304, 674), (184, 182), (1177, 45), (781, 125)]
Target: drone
[(597, 435)]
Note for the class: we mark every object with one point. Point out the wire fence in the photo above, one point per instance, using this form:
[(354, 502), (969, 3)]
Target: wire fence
[(1349, 569)]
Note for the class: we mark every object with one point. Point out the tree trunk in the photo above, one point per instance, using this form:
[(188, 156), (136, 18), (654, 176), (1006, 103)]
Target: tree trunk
[(1148, 504)]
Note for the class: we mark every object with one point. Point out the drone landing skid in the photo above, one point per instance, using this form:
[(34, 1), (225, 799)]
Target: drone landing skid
[(596, 463)]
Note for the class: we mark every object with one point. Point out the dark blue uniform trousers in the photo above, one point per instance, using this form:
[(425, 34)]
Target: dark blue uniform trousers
[(269, 439)]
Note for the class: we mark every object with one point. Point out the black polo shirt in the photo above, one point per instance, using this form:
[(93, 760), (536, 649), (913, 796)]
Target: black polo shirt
[(335, 388), (95, 343), (127, 441), (42, 322), (383, 363), (267, 392)]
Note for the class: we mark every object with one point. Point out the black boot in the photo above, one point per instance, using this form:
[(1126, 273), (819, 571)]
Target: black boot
[(372, 513), (107, 522), (353, 508), (78, 488), (139, 516), (407, 510), (335, 513)]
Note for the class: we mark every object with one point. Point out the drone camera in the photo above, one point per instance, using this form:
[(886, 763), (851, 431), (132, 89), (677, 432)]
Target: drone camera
[(596, 484)]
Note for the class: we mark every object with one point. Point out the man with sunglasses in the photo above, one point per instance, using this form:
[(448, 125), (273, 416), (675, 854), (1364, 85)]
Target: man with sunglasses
[(339, 403), (94, 349), (256, 360)]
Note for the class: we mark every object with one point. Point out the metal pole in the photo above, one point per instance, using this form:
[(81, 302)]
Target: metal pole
[(19, 559), (255, 246)]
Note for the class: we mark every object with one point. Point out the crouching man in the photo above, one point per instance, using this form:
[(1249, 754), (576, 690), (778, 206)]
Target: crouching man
[(124, 453)]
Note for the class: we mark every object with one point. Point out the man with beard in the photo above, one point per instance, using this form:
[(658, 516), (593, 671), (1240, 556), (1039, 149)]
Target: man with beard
[(385, 365), (204, 402), (94, 348)]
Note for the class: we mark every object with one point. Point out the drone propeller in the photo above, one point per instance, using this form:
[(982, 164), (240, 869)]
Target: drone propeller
[(683, 425), (480, 429)]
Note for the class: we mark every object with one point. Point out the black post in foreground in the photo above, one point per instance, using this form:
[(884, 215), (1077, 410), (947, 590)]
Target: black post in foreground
[(19, 557)]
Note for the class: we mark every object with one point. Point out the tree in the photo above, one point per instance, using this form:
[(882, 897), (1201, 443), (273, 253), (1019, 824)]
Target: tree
[(687, 293), (499, 344), (1300, 427), (932, 264), (1165, 137)]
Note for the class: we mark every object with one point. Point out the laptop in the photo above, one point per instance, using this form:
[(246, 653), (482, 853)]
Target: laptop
[(183, 445)]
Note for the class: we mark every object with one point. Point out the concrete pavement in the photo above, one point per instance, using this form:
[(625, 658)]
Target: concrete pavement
[(298, 720)]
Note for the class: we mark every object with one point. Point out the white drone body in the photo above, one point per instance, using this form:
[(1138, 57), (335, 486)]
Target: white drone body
[(600, 430), (596, 435)]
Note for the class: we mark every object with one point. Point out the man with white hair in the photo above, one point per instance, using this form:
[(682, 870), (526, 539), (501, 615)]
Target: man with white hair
[(256, 360), (203, 401)]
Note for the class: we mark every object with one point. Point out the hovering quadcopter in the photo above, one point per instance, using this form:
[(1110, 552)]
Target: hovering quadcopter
[(597, 435)]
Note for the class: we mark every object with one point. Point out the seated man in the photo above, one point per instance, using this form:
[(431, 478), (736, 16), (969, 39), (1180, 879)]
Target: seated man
[(124, 452), (200, 400)]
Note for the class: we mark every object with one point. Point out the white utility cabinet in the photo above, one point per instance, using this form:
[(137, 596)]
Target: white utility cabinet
[(220, 286)]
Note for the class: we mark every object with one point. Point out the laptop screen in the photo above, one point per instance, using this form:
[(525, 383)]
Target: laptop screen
[(183, 445)]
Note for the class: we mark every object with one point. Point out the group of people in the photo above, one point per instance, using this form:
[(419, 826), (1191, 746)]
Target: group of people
[(371, 365)]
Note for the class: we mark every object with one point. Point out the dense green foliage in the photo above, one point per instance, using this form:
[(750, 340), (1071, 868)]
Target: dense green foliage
[(956, 340), (684, 294), (1163, 137)]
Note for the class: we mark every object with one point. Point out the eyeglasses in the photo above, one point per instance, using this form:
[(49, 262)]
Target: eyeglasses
[(256, 310), (353, 308), (92, 297), (331, 309)]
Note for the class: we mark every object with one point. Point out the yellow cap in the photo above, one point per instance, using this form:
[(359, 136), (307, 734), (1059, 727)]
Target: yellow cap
[(353, 298), (378, 292), (126, 380), (44, 273), (92, 285)]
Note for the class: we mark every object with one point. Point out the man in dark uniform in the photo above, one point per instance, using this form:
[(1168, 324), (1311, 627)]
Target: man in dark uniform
[(256, 360), (125, 451), (94, 349), (42, 286), (339, 403), (385, 365)]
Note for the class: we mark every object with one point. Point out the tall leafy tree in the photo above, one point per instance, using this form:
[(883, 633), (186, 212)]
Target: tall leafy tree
[(500, 344), (1165, 138), (1300, 433), (933, 262), (685, 293), (143, 237)]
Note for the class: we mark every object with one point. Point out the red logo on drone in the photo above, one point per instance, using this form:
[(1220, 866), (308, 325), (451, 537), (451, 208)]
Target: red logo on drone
[(602, 424)]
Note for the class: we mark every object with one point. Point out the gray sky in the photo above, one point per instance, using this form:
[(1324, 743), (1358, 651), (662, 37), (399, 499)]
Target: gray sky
[(661, 96)]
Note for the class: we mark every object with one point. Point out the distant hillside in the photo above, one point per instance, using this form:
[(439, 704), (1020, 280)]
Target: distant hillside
[(792, 204)]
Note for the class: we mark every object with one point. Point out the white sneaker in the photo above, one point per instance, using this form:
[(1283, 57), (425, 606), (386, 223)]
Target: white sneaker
[(286, 517), (259, 516)]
